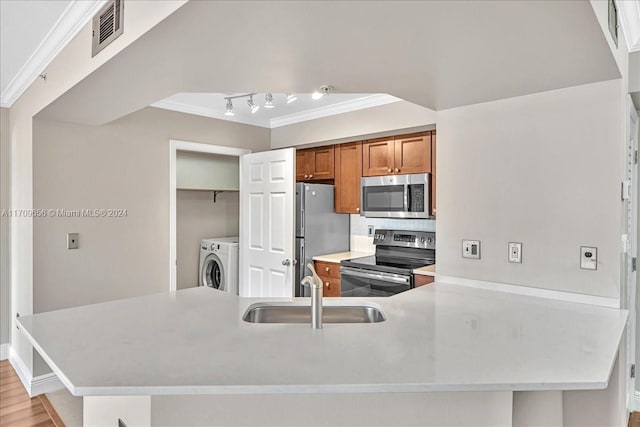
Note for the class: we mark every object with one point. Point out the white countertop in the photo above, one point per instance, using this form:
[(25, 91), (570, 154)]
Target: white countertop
[(436, 338), (429, 270), (340, 256)]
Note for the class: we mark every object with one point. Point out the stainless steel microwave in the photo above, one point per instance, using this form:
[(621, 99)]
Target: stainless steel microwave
[(395, 196)]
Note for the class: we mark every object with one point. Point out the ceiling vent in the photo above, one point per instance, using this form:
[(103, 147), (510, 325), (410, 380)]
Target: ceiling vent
[(107, 25)]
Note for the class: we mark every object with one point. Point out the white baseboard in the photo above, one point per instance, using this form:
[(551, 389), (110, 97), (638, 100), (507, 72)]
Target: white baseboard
[(45, 384), (4, 351), (33, 385), (21, 369), (530, 291)]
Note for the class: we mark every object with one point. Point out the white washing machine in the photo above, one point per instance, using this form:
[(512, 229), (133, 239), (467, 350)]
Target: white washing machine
[(219, 264)]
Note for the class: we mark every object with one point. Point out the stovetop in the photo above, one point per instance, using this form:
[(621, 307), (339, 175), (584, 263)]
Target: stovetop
[(391, 265)]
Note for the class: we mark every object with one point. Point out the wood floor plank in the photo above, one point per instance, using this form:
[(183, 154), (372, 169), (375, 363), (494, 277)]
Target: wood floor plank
[(18, 409), (42, 417), (23, 415), (19, 406)]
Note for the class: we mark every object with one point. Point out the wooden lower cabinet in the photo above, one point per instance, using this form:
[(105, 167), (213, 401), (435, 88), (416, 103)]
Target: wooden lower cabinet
[(348, 173), (329, 272), (421, 280)]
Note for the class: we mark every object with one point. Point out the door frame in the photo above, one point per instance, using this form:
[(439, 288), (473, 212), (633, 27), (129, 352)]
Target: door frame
[(176, 145), (631, 286)]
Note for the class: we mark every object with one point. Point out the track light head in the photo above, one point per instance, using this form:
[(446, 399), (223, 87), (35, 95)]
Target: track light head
[(268, 101), (291, 97), (229, 108), (253, 107)]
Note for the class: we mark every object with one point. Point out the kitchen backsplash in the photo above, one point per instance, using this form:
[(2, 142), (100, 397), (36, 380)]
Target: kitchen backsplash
[(362, 242)]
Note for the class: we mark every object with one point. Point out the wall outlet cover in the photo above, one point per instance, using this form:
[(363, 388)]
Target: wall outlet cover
[(370, 230), (471, 249), (73, 240), (515, 252), (588, 257)]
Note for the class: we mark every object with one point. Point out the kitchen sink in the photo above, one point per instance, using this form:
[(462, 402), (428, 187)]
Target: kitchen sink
[(297, 313)]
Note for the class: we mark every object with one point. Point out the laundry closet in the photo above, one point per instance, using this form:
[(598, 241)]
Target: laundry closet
[(207, 206)]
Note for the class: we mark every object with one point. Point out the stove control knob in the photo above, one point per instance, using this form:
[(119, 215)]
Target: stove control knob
[(430, 240), (422, 240)]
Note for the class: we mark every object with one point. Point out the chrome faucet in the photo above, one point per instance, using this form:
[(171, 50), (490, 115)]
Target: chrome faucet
[(315, 285)]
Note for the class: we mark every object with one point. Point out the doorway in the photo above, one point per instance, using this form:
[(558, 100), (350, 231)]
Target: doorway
[(193, 150)]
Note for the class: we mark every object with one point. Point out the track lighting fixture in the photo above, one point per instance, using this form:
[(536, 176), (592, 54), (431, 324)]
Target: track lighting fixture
[(268, 101), (291, 97), (322, 91), (229, 109), (253, 107)]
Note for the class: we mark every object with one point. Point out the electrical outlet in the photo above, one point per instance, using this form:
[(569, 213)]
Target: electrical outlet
[(588, 257), (72, 240), (471, 249), (370, 230), (515, 252)]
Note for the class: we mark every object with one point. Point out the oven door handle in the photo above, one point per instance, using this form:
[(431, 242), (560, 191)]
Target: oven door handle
[(395, 278)]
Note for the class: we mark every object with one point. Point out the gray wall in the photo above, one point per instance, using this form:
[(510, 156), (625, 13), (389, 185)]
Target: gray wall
[(125, 165), (198, 218), (541, 169), (5, 260), (375, 121)]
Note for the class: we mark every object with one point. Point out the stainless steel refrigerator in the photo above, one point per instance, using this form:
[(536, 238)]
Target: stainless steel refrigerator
[(319, 230)]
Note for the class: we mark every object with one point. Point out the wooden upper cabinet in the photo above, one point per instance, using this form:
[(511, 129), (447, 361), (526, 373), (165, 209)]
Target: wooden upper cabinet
[(412, 153), (315, 164), (301, 165), (397, 155), (377, 157), (321, 161), (348, 173)]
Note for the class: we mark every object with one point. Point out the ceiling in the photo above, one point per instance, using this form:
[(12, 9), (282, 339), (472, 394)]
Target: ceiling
[(32, 33), (23, 26), (302, 109)]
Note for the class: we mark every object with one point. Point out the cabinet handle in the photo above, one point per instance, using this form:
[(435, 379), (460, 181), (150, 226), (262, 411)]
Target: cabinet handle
[(397, 170), (306, 176), (327, 269), (310, 176), (389, 170), (328, 285), (357, 209)]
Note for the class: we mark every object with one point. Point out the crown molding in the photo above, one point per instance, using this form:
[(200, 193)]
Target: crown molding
[(331, 110), (72, 20), (630, 19), (207, 112)]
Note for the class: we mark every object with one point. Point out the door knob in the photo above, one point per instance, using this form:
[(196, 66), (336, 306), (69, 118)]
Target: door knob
[(286, 262)]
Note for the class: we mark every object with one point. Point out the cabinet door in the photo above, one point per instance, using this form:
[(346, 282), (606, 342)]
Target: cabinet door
[(433, 173), (331, 287), (377, 157), (321, 163), (348, 173), (302, 172), (413, 153)]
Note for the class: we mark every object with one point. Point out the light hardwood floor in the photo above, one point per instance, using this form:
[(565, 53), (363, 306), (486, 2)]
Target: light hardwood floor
[(17, 408)]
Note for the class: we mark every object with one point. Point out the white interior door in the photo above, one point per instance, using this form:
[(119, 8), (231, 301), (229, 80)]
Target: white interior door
[(629, 272), (267, 228)]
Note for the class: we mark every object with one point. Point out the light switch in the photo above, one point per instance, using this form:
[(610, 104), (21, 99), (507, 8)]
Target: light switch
[(471, 249), (72, 240)]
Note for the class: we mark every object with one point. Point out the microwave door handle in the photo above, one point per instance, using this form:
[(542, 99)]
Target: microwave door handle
[(407, 198), (389, 278)]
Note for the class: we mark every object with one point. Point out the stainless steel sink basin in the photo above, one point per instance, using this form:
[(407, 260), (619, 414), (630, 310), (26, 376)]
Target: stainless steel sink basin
[(297, 313)]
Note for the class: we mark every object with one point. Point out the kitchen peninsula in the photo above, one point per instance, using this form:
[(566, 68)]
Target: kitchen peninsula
[(188, 358)]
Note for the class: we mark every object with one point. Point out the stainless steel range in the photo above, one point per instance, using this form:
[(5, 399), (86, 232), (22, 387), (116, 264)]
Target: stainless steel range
[(389, 271)]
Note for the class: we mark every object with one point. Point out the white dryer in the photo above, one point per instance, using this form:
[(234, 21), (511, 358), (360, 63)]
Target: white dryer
[(219, 264)]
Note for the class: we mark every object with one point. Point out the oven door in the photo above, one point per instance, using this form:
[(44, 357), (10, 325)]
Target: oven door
[(356, 282)]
